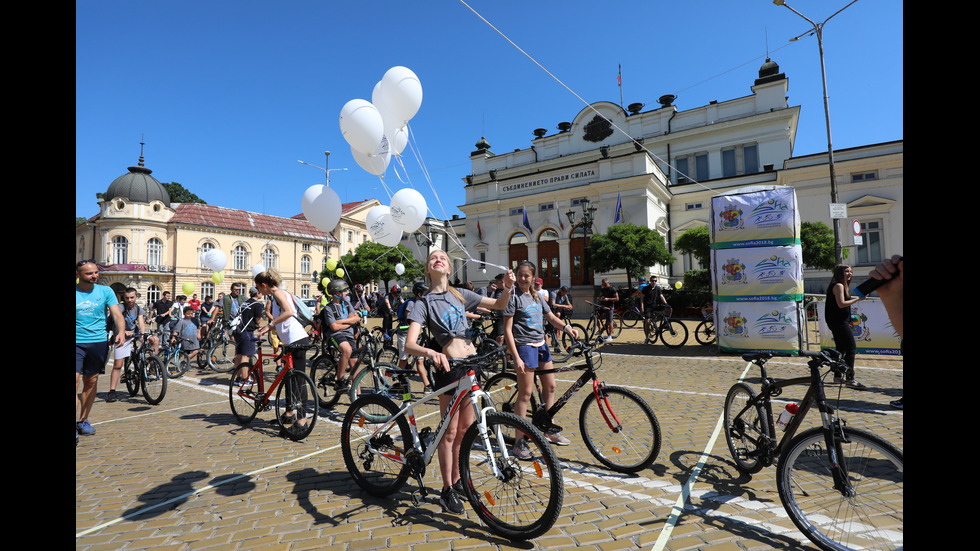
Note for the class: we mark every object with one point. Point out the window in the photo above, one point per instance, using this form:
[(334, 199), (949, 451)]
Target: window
[(694, 206), (870, 252), (701, 167), (516, 211), (546, 206), (306, 247), (750, 159), (120, 250), (729, 165), (683, 171), (269, 259), (152, 294), (350, 236), (240, 257), (154, 252), (864, 176), (205, 247), (305, 290), (304, 264), (207, 289)]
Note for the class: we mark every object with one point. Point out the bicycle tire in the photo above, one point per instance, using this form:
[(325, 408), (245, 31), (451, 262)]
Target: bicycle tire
[(243, 398), (560, 352), (387, 355), (631, 446), (746, 432), (324, 375), (221, 357), (384, 471), (568, 342), (526, 500), (704, 333), (502, 389), (872, 519), (131, 373), (296, 394), (617, 326), (182, 362), (652, 334), (153, 380), (673, 334), (202, 356)]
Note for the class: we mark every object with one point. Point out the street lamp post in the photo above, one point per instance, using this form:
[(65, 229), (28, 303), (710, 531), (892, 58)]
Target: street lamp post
[(588, 216), (326, 247), (818, 29)]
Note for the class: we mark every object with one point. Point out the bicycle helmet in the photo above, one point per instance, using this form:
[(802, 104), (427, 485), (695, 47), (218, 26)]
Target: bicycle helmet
[(336, 286), (419, 288), (394, 289)]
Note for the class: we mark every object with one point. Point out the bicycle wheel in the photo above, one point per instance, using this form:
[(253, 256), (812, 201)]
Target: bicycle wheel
[(617, 326), (560, 352), (652, 333), (523, 499), (296, 402), (746, 432), (627, 446), (673, 334), (568, 342), (243, 396), (202, 356), (221, 356), (873, 518), (502, 389), (324, 375), (132, 376), (375, 381), (153, 380), (387, 355), (375, 460), (182, 362), (705, 332)]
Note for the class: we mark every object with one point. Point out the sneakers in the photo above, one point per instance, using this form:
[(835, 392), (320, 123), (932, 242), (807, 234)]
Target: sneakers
[(450, 502), (898, 404), (557, 438), (84, 428), (111, 396), (342, 385), (521, 450)]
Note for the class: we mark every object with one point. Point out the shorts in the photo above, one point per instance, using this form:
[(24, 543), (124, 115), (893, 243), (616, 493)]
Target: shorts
[(244, 345), (402, 355), (533, 356), (124, 351), (90, 357)]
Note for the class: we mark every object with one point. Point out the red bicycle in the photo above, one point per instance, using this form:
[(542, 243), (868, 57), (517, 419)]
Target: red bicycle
[(295, 396)]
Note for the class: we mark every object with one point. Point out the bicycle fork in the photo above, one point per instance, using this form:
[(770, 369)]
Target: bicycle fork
[(600, 398)]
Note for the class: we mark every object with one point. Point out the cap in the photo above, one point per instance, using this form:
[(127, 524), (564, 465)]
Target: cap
[(252, 291), (539, 281)]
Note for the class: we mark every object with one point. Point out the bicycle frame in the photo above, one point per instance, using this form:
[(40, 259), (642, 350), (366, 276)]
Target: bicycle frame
[(587, 375), (287, 364)]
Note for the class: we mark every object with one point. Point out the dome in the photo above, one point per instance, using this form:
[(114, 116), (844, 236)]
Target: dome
[(138, 186)]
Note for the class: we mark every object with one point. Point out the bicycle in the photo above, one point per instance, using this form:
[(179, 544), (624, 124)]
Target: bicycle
[(704, 333), (672, 333), (838, 484), (144, 371), (221, 354), (618, 427), (175, 361), (207, 336), (560, 351), (294, 393), (630, 314), (516, 499), (596, 325)]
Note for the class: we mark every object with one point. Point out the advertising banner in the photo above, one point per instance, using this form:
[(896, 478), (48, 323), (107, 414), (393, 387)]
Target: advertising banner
[(759, 327), (755, 217), (873, 331), (766, 274)]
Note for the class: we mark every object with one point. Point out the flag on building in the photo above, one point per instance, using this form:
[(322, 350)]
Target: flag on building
[(526, 223), (619, 207), (560, 223), (479, 231), (619, 78)]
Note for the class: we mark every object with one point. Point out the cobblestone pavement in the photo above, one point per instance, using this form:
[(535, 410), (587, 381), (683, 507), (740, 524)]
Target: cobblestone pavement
[(185, 475)]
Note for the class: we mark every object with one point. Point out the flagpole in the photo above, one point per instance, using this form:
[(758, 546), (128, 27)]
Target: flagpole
[(620, 79)]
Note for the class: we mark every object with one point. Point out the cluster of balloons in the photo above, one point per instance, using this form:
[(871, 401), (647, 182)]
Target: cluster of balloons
[(385, 224), (331, 267), (376, 129)]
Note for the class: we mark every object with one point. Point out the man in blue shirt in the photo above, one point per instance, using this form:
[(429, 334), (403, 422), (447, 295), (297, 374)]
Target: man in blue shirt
[(94, 304)]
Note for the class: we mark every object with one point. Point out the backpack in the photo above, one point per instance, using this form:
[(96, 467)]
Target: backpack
[(401, 310), (303, 312)]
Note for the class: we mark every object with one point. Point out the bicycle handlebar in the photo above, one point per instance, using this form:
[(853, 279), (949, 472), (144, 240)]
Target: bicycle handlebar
[(828, 356)]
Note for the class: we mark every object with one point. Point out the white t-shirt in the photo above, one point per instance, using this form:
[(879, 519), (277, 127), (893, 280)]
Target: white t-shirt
[(290, 330)]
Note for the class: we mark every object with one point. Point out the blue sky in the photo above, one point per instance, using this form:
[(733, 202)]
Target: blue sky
[(229, 95)]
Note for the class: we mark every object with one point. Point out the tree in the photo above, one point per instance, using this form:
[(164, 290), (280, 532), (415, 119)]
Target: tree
[(375, 262), (696, 242), (179, 194), (629, 247), (817, 239)]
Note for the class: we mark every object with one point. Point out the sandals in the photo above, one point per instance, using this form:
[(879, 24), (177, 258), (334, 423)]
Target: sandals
[(850, 383)]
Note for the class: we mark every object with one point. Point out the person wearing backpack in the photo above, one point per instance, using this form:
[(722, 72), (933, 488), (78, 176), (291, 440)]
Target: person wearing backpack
[(242, 325), (339, 321), (404, 311), (291, 331)]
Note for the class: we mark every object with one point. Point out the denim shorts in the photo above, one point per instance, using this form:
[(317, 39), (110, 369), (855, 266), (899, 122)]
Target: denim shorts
[(533, 356)]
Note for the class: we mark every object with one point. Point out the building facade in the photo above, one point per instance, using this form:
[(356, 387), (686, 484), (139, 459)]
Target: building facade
[(660, 168), (142, 240)]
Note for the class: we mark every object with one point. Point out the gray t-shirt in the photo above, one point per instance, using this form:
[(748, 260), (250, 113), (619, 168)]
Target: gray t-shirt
[(529, 317), (443, 315), (334, 312), (186, 331)]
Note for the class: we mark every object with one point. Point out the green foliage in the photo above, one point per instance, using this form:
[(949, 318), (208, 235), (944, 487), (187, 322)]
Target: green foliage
[(697, 280), (629, 247), (817, 239), (179, 194), (696, 242), (375, 262)]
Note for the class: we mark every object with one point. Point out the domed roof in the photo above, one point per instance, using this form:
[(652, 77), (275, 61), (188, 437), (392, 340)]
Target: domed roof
[(138, 186)]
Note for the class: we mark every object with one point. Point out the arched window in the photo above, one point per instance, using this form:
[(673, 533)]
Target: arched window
[(304, 264), (240, 255), (518, 249), (205, 247), (154, 252), (548, 255), (120, 250), (152, 294), (269, 259)]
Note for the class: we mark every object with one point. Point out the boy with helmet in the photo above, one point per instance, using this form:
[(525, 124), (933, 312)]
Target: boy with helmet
[(404, 310), (339, 320)]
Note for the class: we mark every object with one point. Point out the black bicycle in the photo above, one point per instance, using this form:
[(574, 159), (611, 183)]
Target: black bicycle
[(618, 427), (673, 333), (144, 371), (841, 486)]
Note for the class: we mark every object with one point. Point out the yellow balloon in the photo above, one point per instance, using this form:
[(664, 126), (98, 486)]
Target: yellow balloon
[(188, 288), (217, 277), (325, 281), (331, 265), (340, 272), (678, 285)]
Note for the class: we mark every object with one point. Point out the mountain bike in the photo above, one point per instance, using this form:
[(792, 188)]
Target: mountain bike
[(596, 325), (841, 486), (516, 499), (560, 349), (295, 398), (618, 427), (221, 354), (672, 333), (630, 313), (144, 371), (704, 333), (175, 360)]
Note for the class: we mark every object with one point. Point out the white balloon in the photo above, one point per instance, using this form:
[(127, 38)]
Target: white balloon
[(361, 125), (321, 206), (257, 269), (373, 216), (381, 227), (399, 141), (408, 209), (399, 268), (392, 239), (375, 163), (215, 260), (401, 91)]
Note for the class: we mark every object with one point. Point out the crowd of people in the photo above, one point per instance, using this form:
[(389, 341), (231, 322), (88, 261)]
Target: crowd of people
[(514, 299)]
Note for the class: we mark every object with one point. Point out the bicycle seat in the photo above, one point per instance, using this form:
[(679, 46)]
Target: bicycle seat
[(294, 347), (753, 356)]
